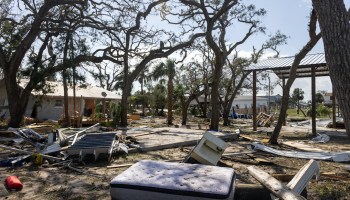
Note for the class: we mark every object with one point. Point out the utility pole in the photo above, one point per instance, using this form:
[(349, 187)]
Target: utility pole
[(268, 103)]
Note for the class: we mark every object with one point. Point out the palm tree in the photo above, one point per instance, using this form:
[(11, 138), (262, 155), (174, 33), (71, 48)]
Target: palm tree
[(167, 70), (143, 78)]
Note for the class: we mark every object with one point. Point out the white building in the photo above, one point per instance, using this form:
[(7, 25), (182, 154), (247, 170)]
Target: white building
[(50, 105)]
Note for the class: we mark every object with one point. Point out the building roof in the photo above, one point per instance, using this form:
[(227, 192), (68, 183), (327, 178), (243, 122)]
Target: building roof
[(281, 66), (92, 92), (249, 98)]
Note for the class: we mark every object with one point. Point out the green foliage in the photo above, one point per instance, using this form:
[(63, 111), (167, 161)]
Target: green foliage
[(323, 111), (319, 98), (159, 94), (116, 114), (293, 113), (298, 94)]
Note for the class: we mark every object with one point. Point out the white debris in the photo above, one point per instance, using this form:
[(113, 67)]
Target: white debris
[(321, 138), (335, 157)]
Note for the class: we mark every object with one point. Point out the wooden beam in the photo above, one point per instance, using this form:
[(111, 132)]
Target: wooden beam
[(334, 119), (313, 100), (272, 184), (29, 152), (283, 86), (254, 101), (304, 175)]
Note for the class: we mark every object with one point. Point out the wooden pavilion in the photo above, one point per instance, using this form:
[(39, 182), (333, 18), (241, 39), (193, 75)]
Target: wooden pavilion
[(313, 65)]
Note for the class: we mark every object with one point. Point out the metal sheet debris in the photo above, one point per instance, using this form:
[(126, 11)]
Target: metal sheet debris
[(335, 157), (321, 138), (92, 144)]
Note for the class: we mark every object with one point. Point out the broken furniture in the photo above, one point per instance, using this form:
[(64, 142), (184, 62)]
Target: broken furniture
[(149, 180), (209, 150), (92, 144), (264, 120), (294, 188)]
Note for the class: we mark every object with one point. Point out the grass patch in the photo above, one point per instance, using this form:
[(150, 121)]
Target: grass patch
[(331, 191), (293, 113)]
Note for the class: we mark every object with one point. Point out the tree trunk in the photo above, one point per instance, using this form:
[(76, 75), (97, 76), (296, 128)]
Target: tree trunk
[(65, 77), (200, 107), (184, 109), (335, 28), (205, 105), (215, 104), (170, 100), (225, 116), (143, 99), (124, 105), (292, 76), (16, 106), (65, 99), (228, 106)]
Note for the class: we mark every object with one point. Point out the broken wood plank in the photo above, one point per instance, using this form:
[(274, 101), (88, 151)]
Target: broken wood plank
[(181, 143), (330, 175), (237, 153), (154, 132), (130, 164), (304, 175), (264, 161), (28, 152), (241, 160), (120, 166), (272, 184), (334, 176), (248, 138), (302, 146)]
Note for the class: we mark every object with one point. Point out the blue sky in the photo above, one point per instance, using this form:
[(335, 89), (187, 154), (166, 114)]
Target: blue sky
[(291, 18)]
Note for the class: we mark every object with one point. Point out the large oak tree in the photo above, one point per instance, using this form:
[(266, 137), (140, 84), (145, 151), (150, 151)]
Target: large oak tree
[(334, 20)]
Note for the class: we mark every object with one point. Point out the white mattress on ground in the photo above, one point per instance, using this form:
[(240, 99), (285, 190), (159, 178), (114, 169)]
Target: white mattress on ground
[(155, 179)]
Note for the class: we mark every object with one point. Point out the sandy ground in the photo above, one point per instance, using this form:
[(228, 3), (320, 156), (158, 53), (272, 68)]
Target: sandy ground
[(50, 181)]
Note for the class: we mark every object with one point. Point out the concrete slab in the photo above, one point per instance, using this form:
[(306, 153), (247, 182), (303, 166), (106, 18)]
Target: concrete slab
[(168, 137)]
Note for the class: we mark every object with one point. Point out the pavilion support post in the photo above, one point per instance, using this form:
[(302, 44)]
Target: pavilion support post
[(254, 101), (334, 119), (283, 86), (313, 100)]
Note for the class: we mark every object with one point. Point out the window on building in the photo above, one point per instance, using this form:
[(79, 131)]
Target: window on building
[(58, 103), (331, 98)]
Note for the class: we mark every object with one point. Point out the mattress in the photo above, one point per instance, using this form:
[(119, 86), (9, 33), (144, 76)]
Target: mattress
[(148, 180)]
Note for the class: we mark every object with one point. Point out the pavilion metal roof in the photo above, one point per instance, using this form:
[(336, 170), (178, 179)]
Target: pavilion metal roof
[(281, 66)]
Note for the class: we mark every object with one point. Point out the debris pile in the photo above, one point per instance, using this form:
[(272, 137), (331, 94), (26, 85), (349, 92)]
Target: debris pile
[(264, 120)]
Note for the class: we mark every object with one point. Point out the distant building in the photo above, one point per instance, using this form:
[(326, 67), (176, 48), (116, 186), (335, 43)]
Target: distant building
[(244, 104), (328, 98), (50, 105), (274, 101)]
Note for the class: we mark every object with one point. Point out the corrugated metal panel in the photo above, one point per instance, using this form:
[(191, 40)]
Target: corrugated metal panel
[(286, 62), (281, 66), (91, 141)]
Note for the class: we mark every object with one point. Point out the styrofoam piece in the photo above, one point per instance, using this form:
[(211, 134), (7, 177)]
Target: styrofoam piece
[(149, 180), (209, 149)]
